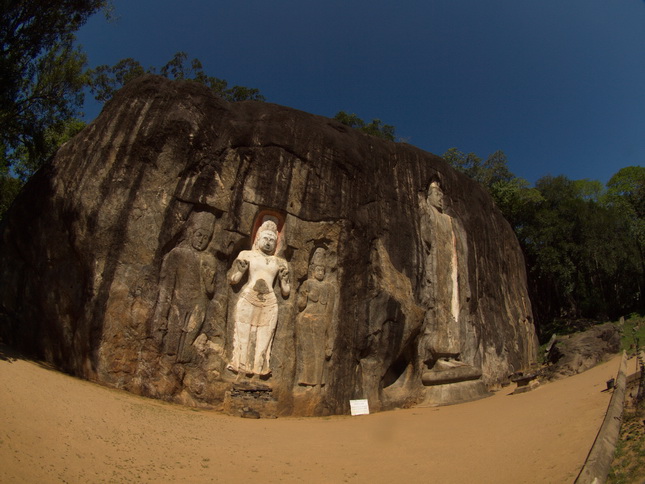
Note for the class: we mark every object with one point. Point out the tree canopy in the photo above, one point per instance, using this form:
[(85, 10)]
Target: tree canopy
[(41, 77), (582, 241), (105, 80), (373, 128)]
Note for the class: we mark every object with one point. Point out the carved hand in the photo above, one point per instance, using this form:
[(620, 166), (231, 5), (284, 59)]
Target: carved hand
[(284, 274), (242, 265)]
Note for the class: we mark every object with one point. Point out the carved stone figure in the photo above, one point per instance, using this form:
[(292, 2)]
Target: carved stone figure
[(314, 337), (444, 327), (186, 285), (256, 311)]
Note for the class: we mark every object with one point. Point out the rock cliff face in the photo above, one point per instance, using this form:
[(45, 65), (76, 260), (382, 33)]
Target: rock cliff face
[(256, 258)]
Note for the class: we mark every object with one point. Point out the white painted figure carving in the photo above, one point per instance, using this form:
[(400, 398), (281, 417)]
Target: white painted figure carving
[(256, 311), (314, 338), (186, 285)]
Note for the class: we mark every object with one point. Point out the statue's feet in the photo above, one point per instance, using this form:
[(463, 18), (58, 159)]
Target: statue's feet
[(450, 372)]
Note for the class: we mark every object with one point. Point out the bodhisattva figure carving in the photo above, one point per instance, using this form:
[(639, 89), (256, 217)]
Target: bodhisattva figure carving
[(314, 338), (256, 311), (186, 285)]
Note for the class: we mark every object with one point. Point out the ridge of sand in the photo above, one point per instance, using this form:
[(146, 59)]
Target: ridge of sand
[(55, 428)]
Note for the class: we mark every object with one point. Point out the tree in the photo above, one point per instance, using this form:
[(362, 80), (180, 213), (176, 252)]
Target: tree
[(105, 80), (41, 74), (42, 77), (373, 128), (582, 243), (517, 200), (626, 191), (470, 163), (52, 138), (580, 262), (512, 195), (495, 170), (9, 188), (490, 172)]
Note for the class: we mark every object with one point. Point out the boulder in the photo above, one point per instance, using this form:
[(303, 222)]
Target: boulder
[(575, 353), (252, 256)]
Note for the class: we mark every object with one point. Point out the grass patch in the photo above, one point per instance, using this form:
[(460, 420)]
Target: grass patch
[(628, 466), (633, 333)]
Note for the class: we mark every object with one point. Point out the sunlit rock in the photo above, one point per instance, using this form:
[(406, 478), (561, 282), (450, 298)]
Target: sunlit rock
[(130, 260)]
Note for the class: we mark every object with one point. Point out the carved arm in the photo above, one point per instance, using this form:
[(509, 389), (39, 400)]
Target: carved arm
[(237, 271), (285, 284)]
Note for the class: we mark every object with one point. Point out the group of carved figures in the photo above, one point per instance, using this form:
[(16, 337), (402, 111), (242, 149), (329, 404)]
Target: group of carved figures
[(187, 283)]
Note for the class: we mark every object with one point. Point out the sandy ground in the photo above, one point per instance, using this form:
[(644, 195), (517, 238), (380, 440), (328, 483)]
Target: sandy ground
[(54, 428)]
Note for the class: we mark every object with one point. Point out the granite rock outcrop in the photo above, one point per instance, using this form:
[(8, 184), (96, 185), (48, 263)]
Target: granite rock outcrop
[(125, 259)]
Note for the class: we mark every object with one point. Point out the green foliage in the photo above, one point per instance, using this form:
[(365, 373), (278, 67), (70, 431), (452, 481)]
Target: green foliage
[(42, 80), (490, 172), (516, 199), (512, 195), (470, 163), (581, 264), (105, 80), (41, 74), (9, 188), (582, 243), (588, 189), (52, 138), (633, 332), (626, 192), (628, 465), (373, 128)]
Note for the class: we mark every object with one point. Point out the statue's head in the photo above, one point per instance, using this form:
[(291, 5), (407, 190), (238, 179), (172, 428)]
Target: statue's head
[(319, 272), (200, 238), (201, 230), (267, 237), (435, 196)]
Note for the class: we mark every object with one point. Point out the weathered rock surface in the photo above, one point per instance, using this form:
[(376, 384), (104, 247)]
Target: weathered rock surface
[(573, 354), (124, 259)]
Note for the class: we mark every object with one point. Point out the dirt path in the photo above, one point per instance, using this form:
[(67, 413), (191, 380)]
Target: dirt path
[(54, 428)]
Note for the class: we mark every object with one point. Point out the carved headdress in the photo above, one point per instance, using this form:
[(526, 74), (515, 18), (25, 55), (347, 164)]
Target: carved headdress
[(267, 226), (200, 220), (318, 259)]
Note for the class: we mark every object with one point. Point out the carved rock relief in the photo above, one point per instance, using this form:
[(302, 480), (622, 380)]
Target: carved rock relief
[(313, 328), (398, 266), (446, 324), (186, 286), (255, 314)]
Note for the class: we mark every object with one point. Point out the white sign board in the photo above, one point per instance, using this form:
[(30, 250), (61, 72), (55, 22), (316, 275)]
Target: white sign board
[(359, 407)]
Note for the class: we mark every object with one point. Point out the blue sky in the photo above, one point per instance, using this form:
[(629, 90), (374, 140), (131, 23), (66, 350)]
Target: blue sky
[(558, 85)]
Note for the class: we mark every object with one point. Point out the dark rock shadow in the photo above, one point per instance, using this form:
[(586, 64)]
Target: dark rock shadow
[(9, 354)]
